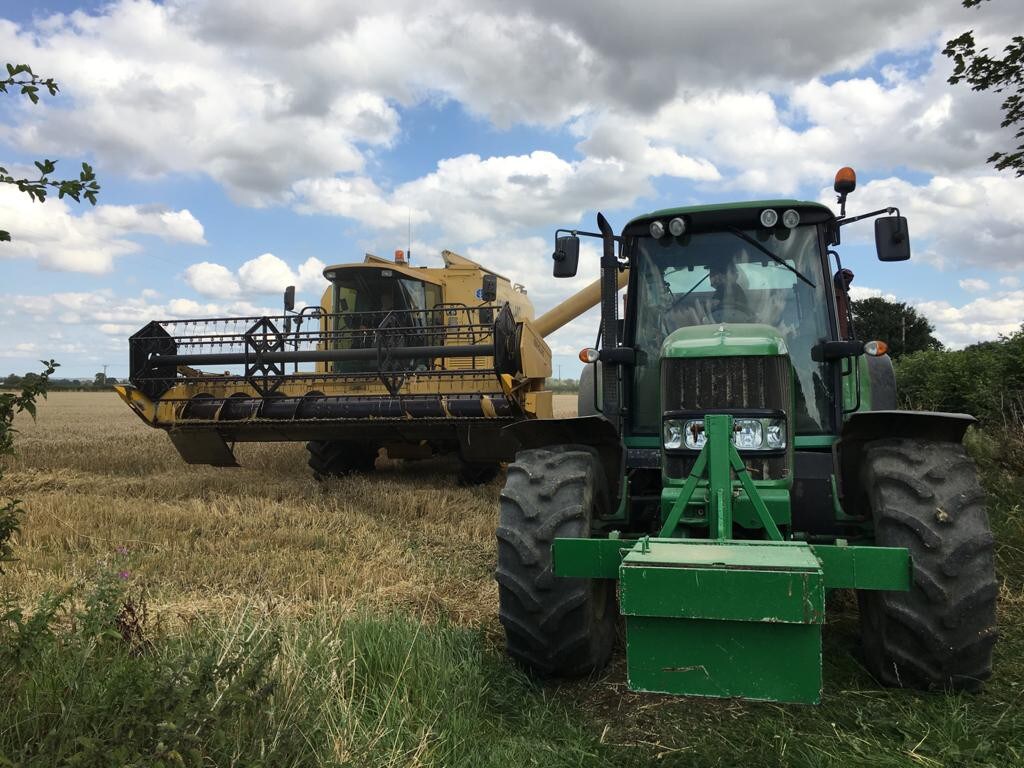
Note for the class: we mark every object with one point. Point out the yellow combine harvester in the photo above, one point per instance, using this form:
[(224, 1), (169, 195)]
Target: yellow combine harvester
[(415, 360)]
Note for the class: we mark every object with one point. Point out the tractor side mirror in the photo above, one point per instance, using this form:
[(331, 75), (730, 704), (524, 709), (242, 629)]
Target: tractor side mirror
[(566, 256), (489, 289), (289, 298), (891, 238)]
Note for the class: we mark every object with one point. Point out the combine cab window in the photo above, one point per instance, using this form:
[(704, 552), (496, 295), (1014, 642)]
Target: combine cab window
[(719, 277), (363, 297)]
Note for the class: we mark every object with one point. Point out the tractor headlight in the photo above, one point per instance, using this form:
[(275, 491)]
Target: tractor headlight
[(760, 434), (694, 435), (672, 432), (748, 434), (775, 435)]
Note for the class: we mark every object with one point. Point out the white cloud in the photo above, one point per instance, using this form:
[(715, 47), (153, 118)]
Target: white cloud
[(270, 99), (974, 285), (1010, 282), (265, 274), (211, 279), (981, 319), (268, 273), (472, 198), (859, 292), (964, 221), (86, 239)]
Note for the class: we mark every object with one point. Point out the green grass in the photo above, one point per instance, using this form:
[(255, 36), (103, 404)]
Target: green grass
[(255, 689)]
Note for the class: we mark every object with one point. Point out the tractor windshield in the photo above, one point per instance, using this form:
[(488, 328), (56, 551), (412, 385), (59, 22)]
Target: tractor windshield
[(775, 277)]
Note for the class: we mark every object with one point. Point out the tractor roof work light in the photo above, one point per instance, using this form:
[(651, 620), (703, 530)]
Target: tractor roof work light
[(790, 218), (769, 217), (677, 226), (846, 182), (657, 230)]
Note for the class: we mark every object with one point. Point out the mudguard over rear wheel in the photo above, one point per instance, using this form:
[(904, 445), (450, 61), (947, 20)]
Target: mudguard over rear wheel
[(553, 626), (925, 496), (330, 458)]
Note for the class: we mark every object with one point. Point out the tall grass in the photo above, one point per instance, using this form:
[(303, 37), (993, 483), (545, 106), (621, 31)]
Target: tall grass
[(249, 688)]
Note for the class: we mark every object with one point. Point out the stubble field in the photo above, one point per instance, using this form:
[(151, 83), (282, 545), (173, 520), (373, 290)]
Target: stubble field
[(397, 567)]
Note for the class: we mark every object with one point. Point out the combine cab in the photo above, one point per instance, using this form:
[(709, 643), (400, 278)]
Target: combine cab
[(414, 360)]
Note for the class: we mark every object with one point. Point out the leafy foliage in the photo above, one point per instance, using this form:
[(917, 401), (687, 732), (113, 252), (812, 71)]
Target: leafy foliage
[(896, 323), (85, 186), (10, 405), (985, 380), (983, 72)]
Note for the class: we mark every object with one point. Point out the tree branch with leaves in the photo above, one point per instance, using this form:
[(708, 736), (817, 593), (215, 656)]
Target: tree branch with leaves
[(984, 72), (22, 79), (12, 404)]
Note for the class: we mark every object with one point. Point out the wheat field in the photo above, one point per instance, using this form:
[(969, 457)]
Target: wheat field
[(98, 482), (103, 491)]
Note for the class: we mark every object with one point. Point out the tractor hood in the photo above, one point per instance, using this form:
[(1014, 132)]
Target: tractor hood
[(724, 340)]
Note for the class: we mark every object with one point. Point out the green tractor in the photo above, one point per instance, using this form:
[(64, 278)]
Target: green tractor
[(739, 452)]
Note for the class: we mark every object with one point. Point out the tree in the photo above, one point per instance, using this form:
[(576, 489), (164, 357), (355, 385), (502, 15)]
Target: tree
[(984, 72), (21, 76), (896, 323), (10, 405)]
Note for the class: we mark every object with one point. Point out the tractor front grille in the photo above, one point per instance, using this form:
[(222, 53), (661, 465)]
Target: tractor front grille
[(728, 383)]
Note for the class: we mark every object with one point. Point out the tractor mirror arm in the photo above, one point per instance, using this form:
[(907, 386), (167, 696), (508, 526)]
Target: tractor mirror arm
[(844, 221)]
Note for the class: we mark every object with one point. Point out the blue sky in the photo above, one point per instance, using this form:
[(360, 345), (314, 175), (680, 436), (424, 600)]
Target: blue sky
[(240, 150)]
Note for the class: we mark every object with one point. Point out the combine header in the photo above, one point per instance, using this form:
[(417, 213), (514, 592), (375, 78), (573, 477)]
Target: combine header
[(739, 453), (414, 360)]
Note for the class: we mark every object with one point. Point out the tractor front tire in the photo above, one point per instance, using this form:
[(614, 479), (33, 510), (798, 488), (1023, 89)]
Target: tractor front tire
[(555, 627), (332, 458), (925, 495)]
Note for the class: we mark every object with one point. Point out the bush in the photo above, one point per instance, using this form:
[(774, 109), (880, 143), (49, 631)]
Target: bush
[(985, 380)]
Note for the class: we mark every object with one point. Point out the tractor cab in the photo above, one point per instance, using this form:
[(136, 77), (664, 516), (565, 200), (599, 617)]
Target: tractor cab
[(726, 270)]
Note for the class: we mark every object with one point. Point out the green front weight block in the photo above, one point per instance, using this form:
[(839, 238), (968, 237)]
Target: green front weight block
[(724, 619)]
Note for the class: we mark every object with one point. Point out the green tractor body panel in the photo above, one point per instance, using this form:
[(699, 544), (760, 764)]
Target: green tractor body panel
[(700, 616), (725, 340)]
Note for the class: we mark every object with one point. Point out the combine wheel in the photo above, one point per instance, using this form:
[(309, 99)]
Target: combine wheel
[(553, 626), (330, 458), (925, 496)]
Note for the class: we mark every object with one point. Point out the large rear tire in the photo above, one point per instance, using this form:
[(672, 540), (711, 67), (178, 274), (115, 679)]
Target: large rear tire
[(331, 458), (925, 496), (553, 626)]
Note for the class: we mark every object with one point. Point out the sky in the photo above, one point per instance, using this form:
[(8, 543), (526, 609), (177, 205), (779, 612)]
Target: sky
[(242, 145)]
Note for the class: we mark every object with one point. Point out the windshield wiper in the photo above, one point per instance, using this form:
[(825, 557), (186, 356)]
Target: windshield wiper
[(676, 301), (747, 238)]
